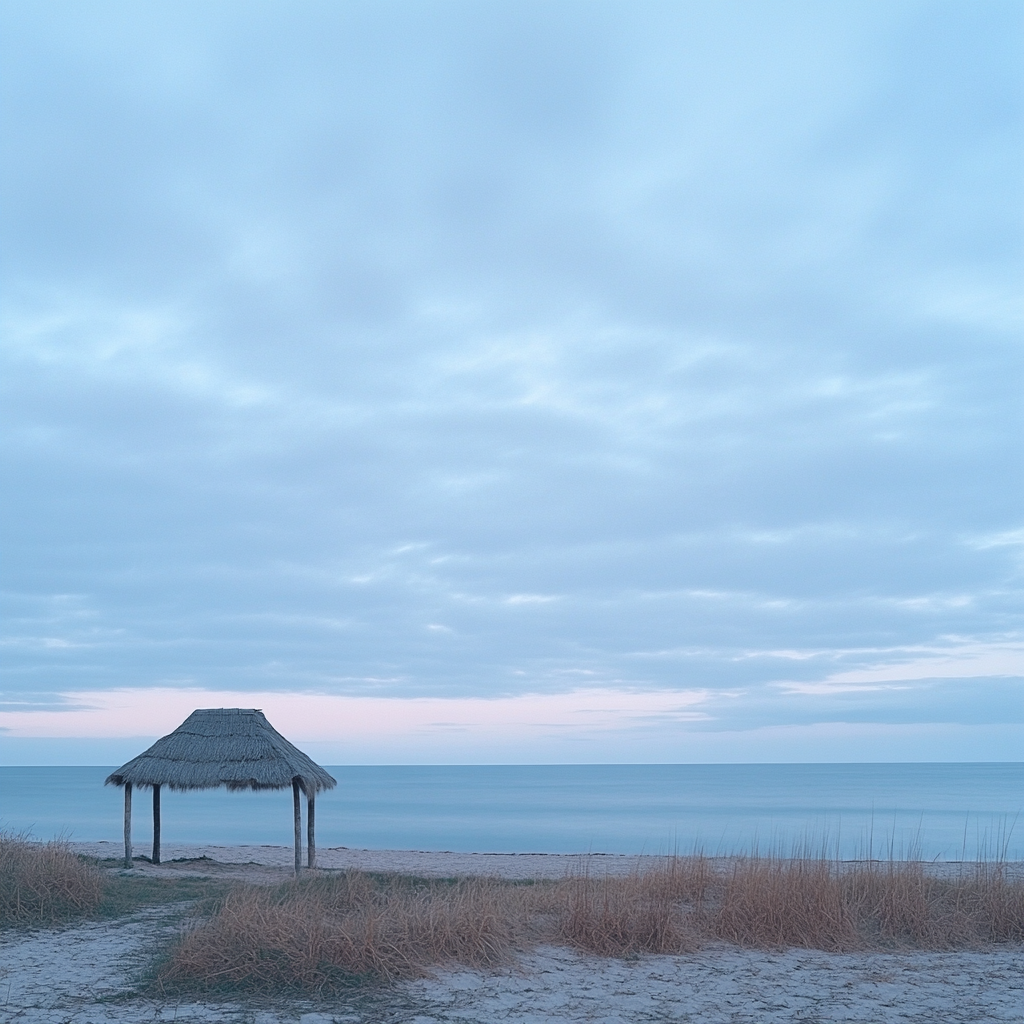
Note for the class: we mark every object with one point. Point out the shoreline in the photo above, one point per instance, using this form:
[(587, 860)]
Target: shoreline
[(424, 863), (275, 859)]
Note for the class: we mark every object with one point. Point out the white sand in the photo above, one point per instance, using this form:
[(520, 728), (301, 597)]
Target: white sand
[(273, 862), (86, 973), (425, 863), (726, 986)]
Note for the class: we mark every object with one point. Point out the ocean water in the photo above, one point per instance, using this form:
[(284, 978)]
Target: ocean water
[(940, 811)]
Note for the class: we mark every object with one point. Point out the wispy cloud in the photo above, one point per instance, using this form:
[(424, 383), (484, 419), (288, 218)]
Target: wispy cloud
[(957, 661), (322, 716)]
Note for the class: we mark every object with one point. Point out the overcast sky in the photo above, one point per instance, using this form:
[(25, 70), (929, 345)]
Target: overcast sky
[(514, 381)]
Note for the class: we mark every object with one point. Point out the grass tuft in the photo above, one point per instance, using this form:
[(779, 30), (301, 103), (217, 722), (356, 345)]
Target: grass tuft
[(44, 883), (771, 902), (775, 902), (334, 931), (650, 912)]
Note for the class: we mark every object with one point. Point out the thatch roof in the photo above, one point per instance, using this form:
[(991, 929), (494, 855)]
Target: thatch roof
[(233, 747)]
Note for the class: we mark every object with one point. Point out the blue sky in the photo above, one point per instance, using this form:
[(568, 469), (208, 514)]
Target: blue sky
[(468, 382)]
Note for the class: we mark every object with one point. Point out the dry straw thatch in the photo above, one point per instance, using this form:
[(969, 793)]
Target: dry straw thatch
[(233, 747)]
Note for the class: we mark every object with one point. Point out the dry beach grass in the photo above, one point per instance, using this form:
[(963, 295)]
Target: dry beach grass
[(773, 902), (43, 883), (327, 931), (323, 932)]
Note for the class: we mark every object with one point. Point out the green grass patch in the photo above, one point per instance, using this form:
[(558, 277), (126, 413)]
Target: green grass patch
[(124, 894)]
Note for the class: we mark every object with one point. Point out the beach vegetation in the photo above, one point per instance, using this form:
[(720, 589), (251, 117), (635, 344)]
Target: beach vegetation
[(339, 929), (775, 902), (336, 930), (45, 883)]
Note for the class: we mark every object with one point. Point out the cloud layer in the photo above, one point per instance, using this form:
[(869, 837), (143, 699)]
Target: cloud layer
[(460, 352)]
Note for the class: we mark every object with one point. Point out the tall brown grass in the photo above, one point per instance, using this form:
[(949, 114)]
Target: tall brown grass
[(647, 912), (902, 903), (43, 883), (823, 904), (772, 901), (330, 930)]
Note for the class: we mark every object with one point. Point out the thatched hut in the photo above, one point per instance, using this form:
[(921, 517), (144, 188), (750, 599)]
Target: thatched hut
[(233, 747)]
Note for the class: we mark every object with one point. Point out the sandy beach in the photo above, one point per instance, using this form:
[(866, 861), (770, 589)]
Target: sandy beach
[(266, 860), (89, 973)]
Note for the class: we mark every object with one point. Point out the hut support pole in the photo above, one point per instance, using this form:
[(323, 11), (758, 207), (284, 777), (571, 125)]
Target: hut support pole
[(311, 830), (127, 824), (156, 823), (297, 808)]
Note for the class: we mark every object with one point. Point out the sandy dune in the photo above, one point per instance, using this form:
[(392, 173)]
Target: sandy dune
[(87, 973)]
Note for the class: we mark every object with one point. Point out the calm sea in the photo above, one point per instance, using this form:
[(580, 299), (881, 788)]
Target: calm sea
[(934, 810)]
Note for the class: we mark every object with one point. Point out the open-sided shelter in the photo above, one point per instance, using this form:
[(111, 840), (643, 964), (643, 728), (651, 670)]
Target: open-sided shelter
[(233, 747)]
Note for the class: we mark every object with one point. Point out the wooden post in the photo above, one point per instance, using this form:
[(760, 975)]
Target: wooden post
[(311, 829), (156, 823), (127, 824), (297, 807)]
